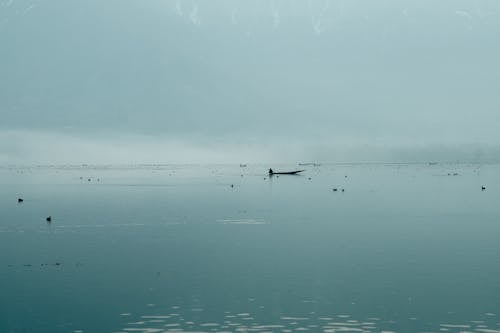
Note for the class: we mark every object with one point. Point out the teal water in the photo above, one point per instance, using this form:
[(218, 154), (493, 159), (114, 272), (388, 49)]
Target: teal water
[(159, 248)]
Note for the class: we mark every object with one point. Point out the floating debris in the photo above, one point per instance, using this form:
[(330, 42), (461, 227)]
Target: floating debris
[(41, 265), (48, 219), (19, 200), (334, 189), (483, 188)]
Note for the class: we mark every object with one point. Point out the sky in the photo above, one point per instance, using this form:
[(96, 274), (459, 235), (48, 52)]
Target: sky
[(209, 81)]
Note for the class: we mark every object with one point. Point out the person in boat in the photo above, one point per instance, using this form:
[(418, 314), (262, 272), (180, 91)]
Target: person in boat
[(271, 171)]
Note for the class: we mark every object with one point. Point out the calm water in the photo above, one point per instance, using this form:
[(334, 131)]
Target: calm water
[(405, 248)]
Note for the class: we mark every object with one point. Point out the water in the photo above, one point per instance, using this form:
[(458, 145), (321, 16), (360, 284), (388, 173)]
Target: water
[(159, 248)]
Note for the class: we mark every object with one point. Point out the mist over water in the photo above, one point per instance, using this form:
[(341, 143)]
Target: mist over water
[(293, 80), (28, 148)]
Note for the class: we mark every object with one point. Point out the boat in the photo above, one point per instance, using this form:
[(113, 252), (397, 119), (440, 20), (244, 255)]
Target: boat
[(271, 172)]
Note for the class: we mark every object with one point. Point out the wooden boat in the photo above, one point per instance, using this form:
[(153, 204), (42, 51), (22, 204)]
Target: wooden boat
[(285, 172)]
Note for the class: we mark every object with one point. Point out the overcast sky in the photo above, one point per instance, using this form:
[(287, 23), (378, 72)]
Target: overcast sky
[(239, 80)]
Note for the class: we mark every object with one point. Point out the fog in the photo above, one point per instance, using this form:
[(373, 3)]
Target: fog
[(170, 81)]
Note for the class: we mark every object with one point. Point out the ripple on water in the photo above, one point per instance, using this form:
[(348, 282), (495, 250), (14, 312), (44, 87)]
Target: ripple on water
[(454, 326), (249, 322), (155, 317), (242, 221)]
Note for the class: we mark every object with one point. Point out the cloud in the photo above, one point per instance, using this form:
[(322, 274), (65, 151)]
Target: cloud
[(464, 14), (28, 8), (234, 13), (316, 21), (7, 3), (290, 90), (178, 8), (193, 15), (275, 14)]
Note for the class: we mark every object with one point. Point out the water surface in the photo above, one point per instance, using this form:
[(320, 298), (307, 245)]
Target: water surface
[(222, 248)]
